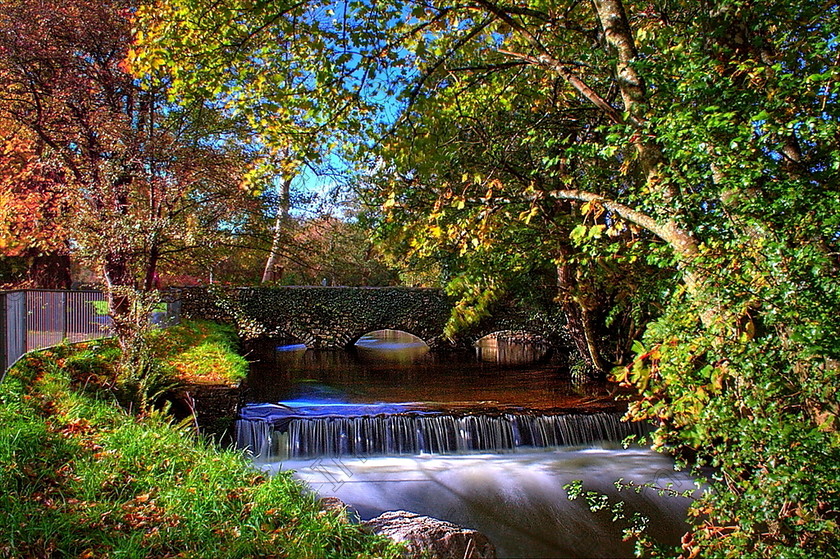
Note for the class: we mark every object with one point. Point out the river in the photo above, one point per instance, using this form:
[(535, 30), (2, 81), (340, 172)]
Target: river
[(486, 440)]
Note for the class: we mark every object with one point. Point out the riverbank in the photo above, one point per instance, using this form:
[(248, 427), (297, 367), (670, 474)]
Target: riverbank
[(82, 477)]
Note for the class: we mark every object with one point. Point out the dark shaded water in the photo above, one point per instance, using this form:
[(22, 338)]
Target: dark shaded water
[(486, 440), (391, 371)]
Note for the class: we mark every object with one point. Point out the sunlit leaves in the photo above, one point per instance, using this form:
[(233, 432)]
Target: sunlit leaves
[(741, 111), (138, 179), (31, 201)]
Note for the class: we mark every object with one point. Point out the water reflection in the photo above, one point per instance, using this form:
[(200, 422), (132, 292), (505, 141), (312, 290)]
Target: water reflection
[(391, 345), (451, 379), (499, 350)]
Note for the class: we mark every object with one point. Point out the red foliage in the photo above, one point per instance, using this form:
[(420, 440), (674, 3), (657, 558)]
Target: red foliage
[(31, 201), (141, 179)]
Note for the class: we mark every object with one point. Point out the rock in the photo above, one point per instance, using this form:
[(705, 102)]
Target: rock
[(429, 537), (335, 505)]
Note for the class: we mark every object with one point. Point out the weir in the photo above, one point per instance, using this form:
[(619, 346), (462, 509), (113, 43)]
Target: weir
[(476, 440), (289, 434)]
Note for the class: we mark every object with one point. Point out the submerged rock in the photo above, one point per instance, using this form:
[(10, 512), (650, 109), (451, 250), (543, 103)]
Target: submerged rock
[(425, 536)]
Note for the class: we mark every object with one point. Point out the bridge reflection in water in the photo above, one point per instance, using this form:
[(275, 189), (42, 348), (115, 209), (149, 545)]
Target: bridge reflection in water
[(485, 444), (501, 349)]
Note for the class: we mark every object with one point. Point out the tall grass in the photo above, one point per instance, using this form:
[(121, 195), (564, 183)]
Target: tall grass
[(81, 477)]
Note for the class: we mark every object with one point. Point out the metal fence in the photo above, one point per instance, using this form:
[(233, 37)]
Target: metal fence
[(36, 319)]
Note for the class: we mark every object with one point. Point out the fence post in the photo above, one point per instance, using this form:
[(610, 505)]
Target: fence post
[(4, 338), (24, 323), (65, 307)]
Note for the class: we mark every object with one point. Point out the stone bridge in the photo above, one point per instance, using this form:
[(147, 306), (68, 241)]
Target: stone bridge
[(336, 317)]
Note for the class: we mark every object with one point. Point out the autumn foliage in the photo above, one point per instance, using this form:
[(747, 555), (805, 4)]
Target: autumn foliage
[(32, 208)]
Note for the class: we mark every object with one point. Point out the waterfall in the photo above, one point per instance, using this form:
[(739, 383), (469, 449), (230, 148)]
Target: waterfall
[(412, 434)]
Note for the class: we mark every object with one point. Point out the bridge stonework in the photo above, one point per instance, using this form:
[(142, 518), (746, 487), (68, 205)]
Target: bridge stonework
[(336, 317)]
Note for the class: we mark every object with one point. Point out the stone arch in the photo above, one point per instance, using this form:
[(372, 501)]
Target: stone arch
[(513, 348), (542, 323), (335, 317), (420, 333), (517, 336), (287, 332)]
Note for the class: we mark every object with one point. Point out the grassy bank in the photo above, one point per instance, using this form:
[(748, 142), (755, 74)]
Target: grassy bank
[(199, 351), (195, 352), (81, 477)]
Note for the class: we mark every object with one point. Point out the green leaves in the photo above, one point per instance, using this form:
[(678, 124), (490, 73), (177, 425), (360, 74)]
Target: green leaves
[(717, 213)]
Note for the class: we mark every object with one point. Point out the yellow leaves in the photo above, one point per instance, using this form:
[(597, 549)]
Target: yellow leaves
[(593, 208), (529, 214), (643, 35), (596, 231), (615, 229), (747, 330), (391, 202), (466, 178)]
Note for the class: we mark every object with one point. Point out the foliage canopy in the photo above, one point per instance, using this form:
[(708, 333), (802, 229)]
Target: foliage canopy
[(607, 139)]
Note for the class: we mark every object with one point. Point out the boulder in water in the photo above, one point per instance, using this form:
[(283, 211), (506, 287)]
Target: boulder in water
[(424, 536)]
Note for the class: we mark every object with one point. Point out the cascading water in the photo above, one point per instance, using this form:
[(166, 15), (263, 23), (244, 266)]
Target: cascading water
[(286, 433), (482, 444)]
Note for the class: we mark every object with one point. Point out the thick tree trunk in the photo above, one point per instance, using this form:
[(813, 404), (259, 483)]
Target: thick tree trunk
[(618, 34)]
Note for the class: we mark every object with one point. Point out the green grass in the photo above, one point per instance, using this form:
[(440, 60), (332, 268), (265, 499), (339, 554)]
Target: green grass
[(101, 307), (200, 350), (80, 477), (194, 351)]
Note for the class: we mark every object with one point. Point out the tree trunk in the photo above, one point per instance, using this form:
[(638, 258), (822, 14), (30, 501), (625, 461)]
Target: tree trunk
[(117, 277), (618, 34), (580, 323), (150, 282), (50, 271), (269, 273)]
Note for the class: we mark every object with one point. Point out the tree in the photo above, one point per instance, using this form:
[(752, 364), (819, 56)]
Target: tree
[(31, 206), (702, 135), (143, 180)]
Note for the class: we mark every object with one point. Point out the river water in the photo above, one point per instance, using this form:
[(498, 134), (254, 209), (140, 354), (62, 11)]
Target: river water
[(486, 440)]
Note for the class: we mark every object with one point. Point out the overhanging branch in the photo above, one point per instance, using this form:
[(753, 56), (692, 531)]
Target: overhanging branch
[(682, 242)]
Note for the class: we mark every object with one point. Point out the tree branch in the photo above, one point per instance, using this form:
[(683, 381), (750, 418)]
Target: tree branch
[(581, 86), (681, 241), (547, 60)]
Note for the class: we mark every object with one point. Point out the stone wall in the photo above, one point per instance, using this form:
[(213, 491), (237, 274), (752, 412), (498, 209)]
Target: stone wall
[(336, 317)]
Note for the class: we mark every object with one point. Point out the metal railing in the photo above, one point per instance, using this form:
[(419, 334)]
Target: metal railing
[(33, 319)]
